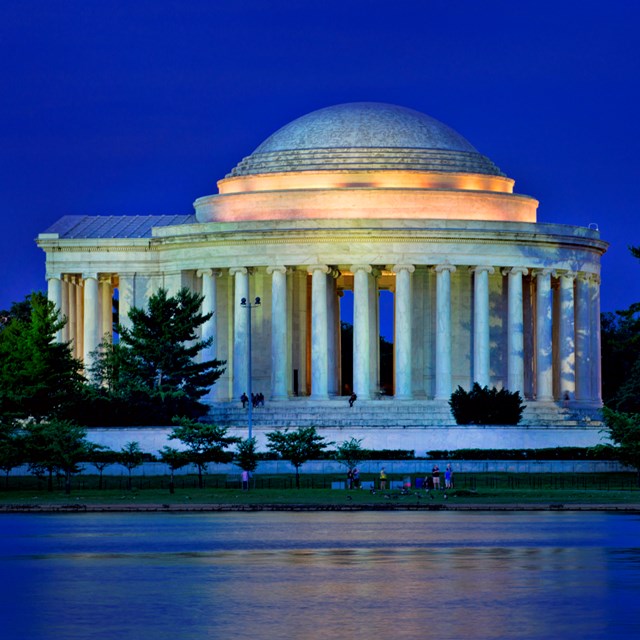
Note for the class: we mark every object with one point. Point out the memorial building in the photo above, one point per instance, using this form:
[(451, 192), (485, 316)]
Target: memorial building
[(353, 200)]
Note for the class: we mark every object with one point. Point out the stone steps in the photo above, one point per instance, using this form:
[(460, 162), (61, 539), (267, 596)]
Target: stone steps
[(377, 414)]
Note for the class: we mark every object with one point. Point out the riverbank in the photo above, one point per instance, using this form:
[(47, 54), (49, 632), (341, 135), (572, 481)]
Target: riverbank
[(199, 508)]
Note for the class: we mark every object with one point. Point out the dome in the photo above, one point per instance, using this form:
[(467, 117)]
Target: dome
[(365, 136)]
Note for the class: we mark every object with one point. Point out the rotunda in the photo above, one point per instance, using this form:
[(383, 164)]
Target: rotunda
[(350, 201)]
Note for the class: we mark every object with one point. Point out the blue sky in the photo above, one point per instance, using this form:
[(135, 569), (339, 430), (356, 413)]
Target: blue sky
[(140, 107)]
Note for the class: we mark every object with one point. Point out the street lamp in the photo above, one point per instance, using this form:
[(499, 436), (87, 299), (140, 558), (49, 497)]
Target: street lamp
[(248, 306)]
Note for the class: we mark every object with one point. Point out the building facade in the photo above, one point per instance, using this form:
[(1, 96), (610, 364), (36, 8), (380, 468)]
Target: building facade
[(353, 200)]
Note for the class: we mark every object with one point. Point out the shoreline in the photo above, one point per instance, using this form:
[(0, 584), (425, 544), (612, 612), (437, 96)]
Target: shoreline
[(217, 508)]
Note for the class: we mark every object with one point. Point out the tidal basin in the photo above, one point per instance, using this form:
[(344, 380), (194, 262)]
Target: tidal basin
[(315, 575)]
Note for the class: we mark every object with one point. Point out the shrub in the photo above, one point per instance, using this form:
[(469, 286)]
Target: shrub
[(599, 452), (482, 405)]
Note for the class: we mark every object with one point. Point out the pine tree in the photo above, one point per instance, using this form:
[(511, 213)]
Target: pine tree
[(153, 373), (39, 377)]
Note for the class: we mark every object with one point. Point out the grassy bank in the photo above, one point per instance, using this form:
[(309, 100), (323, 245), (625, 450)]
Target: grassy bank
[(470, 489)]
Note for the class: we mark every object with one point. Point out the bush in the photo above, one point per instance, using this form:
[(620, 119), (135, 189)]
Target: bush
[(482, 405), (599, 452), (379, 454)]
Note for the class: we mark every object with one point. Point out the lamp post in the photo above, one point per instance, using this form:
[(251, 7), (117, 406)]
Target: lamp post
[(248, 306)]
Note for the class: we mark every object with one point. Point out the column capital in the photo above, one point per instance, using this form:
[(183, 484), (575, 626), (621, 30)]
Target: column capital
[(360, 267), (53, 276), (235, 270), (541, 272), (92, 275), (565, 274), (523, 271), (583, 276), (318, 267), (105, 278), (403, 267), (277, 269), (208, 272), (445, 266), (482, 268)]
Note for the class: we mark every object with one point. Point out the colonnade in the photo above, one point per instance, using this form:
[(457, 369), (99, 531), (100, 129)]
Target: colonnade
[(553, 331)]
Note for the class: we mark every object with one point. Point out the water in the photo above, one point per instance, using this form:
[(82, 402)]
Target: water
[(316, 575)]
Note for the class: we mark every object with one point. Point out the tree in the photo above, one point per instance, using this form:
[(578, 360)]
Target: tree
[(205, 443), (154, 366), (39, 377), (246, 456), (12, 448), (175, 460), (101, 457), (350, 453), (297, 446), (131, 456), (56, 446), (620, 333), (624, 431)]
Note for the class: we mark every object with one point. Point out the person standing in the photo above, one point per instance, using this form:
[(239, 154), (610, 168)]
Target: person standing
[(356, 478), (435, 474), (383, 479), (448, 477)]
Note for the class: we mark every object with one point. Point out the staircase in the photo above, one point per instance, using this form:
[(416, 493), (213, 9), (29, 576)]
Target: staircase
[(384, 413)]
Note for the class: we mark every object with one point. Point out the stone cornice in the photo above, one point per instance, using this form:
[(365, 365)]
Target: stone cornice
[(377, 234)]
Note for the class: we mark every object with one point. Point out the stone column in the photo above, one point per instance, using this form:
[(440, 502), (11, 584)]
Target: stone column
[(126, 298), (333, 333), (209, 305), (544, 350), (443, 331), (106, 307), (481, 345), (279, 317), (91, 322), (71, 301), (79, 350), (403, 344), (596, 357), (361, 331), (374, 331), (240, 331), (54, 294), (515, 330), (65, 308), (566, 336), (319, 332), (583, 339)]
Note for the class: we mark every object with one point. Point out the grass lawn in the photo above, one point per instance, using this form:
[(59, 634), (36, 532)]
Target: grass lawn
[(471, 489)]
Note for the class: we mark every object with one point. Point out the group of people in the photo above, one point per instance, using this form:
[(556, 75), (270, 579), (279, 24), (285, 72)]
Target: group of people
[(432, 481), (353, 478), (257, 400)]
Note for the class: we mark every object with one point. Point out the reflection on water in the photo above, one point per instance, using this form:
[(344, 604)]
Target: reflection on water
[(318, 575)]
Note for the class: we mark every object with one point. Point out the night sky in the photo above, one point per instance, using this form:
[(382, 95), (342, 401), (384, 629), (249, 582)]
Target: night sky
[(140, 107)]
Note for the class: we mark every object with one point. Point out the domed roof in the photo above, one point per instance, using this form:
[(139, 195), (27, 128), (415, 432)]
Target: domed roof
[(365, 124), (365, 136)]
